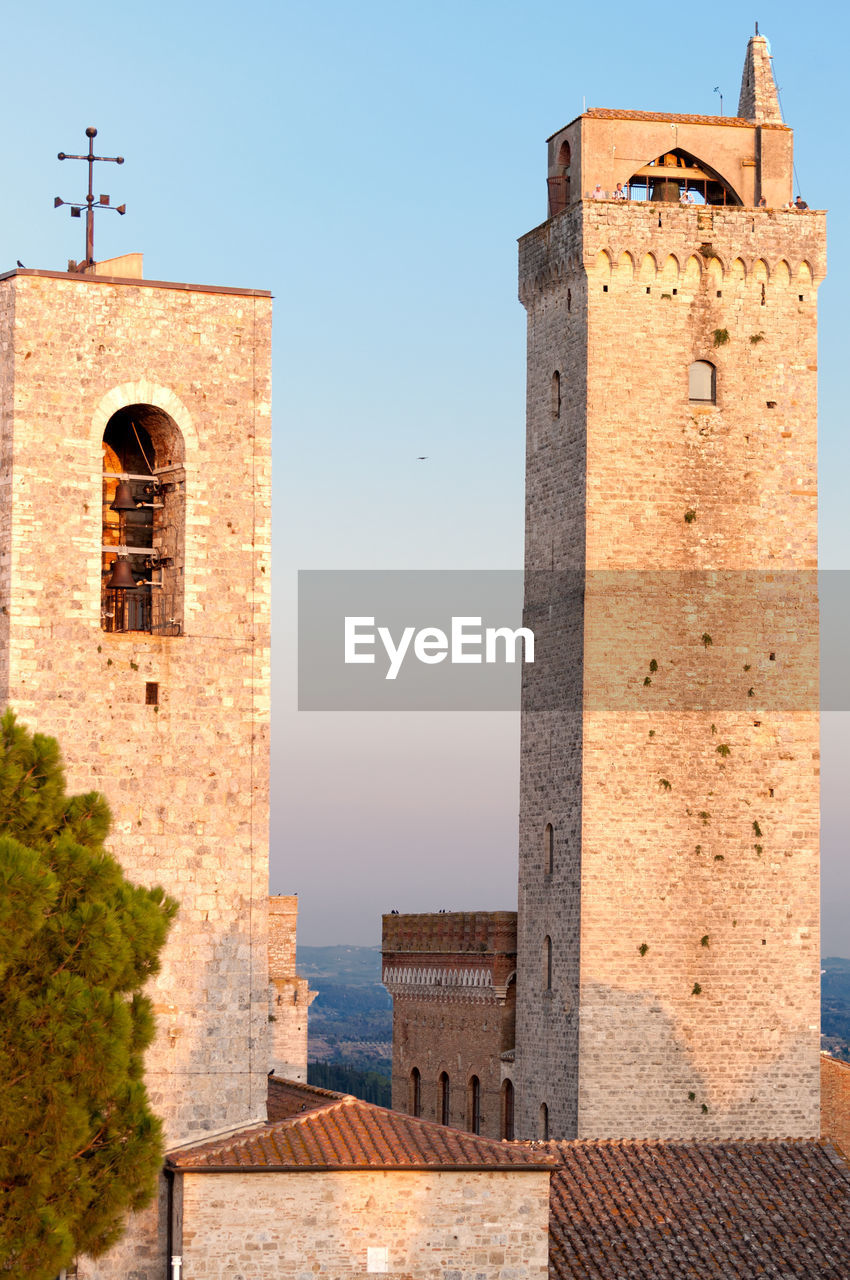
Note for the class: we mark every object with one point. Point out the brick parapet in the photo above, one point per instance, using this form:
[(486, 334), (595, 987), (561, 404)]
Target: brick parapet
[(450, 931), (835, 1101)]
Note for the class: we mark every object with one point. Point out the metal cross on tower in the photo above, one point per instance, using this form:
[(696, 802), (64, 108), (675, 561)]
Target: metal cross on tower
[(90, 203)]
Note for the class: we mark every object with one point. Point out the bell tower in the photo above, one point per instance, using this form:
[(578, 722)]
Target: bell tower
[(668, 951), (134, 610)]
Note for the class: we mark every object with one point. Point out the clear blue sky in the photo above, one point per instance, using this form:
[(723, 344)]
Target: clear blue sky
[(373, 164)]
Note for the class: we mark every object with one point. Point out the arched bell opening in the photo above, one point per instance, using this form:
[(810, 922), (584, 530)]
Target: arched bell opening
[(559, 181), (143, 522), (677, 177)]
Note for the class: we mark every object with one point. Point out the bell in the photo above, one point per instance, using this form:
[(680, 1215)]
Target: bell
[(123, 500), (121, 578)]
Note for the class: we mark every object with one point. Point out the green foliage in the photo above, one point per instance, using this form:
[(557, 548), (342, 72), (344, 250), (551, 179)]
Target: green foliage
[(757, 829), (652, 733), (646, 680), (718, 857), (756, 338), (697, 989), (692, 1097), (704, 1109), (653, 666), (706, 639), (721, 337), (690, 515), (759, 849), (751, 693), (79, 1147), (665, 784), (643, 948), (369, 1086), (704, 940), (705, 815), (747, 666), (723, 750)]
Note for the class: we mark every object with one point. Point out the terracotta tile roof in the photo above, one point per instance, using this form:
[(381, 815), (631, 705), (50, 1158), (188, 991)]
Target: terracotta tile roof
[(609, 113), (288, 1098), (658, 1210), (344, 1133)]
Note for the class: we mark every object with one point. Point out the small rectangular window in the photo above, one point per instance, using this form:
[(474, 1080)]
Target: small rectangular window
[(151, 694)]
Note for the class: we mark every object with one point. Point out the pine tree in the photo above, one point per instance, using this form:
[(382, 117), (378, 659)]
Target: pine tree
[(79, 1146)]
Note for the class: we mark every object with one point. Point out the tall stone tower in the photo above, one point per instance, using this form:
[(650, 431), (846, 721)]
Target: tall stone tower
[(135, 420), (668, 890)]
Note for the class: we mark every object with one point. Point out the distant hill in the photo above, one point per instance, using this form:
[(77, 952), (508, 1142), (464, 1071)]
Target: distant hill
[(349, 966), (835, 1006), (351, 1019)]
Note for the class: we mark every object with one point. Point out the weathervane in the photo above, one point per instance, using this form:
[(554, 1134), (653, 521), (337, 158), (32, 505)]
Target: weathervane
[(90, 204)]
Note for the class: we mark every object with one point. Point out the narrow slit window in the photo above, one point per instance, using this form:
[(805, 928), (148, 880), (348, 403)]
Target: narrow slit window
[(547, 963), (415, 1107), (556, 394), (151, 694), (549, 848)]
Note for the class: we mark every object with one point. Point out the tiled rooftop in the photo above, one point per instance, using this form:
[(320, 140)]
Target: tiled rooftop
[(611, 113), (336, 1131), (287, 1098), (659, 1210)]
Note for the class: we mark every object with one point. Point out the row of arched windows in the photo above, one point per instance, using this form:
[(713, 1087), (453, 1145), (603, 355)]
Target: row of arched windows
[(473, 1101)]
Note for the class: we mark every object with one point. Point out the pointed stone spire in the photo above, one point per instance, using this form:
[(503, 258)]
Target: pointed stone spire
[(759, 100)]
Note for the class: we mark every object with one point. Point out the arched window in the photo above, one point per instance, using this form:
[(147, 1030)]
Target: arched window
[(508, 1110), (473, 1105), (415, 1091), (547, 963), (143, 522), (559, 182), (445, 1104), (702, 383), (543, 1123), (548, 848)]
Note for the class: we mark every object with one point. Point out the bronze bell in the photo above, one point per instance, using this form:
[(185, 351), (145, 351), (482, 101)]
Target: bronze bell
[(123, 500), (121, 578)]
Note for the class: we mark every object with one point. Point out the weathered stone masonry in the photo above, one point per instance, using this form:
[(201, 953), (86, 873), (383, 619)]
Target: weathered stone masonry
[(682, 903), (187, 779)]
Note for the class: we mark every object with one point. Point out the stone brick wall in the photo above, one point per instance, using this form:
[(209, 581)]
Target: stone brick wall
[(683, 901), (289, 996), (187, 779), (451, 975), (462, 1225), (835, 1101)]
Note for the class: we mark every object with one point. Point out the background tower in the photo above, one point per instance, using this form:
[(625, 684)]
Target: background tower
[(668, 894), (159, 695)]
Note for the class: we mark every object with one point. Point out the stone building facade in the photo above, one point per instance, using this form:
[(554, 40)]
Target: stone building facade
[(342, 1188), (452, 976), (290, 997), (668, 951), (162, 703)]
